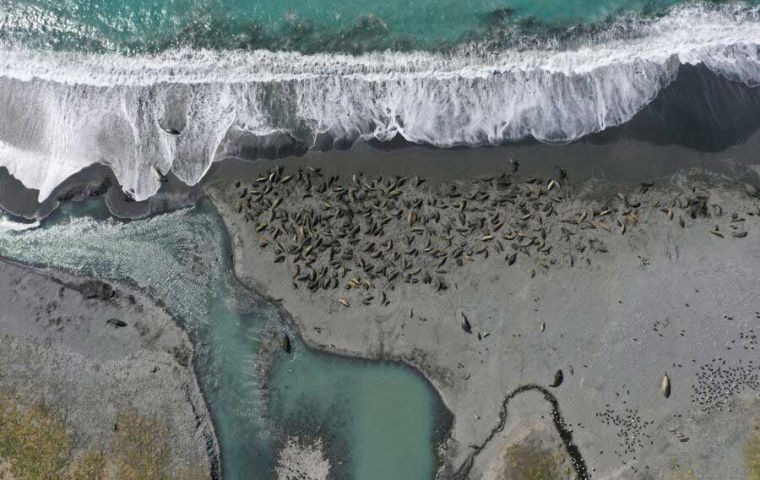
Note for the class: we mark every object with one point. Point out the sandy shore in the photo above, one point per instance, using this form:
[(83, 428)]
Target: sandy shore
[(612, 282), (93, 352), (621, 157)]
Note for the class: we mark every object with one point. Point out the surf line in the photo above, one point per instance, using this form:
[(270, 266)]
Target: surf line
[(579, 465)]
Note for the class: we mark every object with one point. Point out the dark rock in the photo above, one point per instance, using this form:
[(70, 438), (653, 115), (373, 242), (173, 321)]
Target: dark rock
[(181, 355)]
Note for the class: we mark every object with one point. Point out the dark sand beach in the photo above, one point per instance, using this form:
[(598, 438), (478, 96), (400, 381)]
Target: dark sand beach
[(623, 160)]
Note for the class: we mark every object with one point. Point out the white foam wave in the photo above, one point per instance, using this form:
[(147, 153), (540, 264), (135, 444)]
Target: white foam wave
[(62, 111), (8, 225)]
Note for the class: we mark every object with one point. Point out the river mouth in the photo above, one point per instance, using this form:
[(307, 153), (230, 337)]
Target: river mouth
[(375, 419)]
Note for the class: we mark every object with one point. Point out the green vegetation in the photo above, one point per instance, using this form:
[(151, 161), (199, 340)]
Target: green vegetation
[(531, 461), (141, 449), (752, 454), (35, 445), (90, 465), (678, 474)]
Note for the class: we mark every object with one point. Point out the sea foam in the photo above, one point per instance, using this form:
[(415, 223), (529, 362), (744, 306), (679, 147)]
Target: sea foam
[(63, 111)]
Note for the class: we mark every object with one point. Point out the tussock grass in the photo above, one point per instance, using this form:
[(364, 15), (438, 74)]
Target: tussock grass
[(531, 461), (90, 465), (33, 441), (140, 449), (752, 453), (35, 445)]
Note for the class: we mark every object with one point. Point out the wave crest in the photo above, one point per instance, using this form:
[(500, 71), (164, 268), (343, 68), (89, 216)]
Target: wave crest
[(63, 111)]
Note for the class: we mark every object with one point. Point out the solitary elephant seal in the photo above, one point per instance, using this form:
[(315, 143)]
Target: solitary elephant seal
[(559, 377)]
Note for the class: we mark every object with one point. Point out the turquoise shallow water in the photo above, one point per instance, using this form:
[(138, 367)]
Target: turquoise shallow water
[(303, 25), (376, 420)]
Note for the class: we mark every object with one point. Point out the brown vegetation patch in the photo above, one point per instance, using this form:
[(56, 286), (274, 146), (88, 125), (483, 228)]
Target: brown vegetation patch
[(36, 445)]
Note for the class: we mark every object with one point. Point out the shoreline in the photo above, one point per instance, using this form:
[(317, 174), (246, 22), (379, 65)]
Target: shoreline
[(194, 397), (616, 156), (350, 355), (670, 101), (444, 419), (253, 270), (214, 452)]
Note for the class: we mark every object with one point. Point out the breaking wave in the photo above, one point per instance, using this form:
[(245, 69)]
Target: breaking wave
[(181, 110)]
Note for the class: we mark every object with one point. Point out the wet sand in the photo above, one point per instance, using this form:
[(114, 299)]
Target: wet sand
[(92, 351), (613, 282), (615, 159), (618, 161)]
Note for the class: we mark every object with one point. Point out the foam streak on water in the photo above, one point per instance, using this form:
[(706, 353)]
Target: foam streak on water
[(62, 111)]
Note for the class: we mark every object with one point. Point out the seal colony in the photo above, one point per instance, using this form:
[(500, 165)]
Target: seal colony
[(616, 298), (363, 237)]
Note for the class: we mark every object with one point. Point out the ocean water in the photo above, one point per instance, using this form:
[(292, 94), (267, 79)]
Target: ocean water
[(376, 420), (304, 25)]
